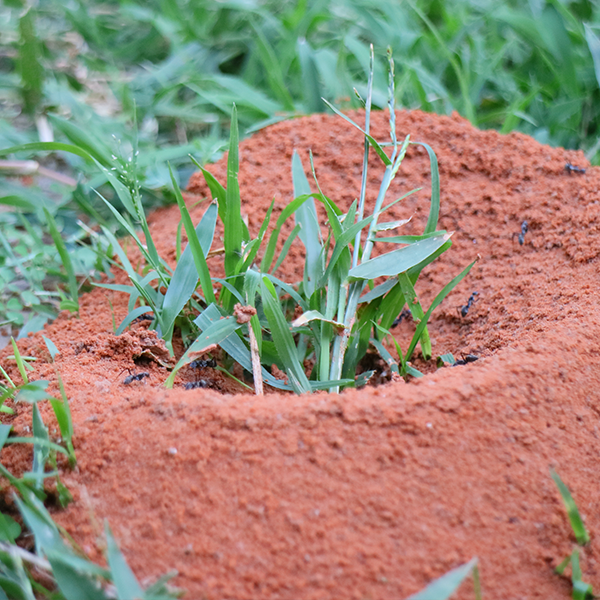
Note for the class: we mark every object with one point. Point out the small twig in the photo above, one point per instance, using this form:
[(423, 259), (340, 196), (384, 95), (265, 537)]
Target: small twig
[(243, 314)]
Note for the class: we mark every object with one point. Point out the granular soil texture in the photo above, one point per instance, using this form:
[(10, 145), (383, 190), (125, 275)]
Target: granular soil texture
[(373, 493)]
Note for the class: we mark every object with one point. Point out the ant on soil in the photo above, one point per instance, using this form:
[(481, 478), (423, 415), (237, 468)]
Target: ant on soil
[(135, 377), (193, 385), (524, 230), (466, 359), (573, 169), (403, 315), (464, 310)]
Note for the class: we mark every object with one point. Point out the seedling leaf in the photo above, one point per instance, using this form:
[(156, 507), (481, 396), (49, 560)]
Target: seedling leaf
[(581, 534)]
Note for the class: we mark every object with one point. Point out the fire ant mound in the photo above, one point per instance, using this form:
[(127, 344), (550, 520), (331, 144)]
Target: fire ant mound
[(375, 492)]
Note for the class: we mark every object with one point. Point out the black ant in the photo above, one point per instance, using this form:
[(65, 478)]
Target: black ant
[(524, 230), (144, 317), (469, 358), (203, 364), (573, 169), (135, 377), (464, 310), (193, 385), (403, 315)]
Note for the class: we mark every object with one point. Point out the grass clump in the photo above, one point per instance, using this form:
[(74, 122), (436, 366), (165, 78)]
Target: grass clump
[(335, 320)]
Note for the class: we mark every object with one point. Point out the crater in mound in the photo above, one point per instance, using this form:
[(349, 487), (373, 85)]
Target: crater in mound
[(373, 493)]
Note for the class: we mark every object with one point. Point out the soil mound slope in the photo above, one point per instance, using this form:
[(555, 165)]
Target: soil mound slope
[(373, 493)]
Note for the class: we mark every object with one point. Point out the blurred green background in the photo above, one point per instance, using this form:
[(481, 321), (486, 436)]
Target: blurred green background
[(137, 84)]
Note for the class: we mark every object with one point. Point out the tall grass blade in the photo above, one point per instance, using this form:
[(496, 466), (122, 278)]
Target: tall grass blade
[(310, 233), (194, 244), (185, 279), (233, 224), (434, 209), (64, 257)]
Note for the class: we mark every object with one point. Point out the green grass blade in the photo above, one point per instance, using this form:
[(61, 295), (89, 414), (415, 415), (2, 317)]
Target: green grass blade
[(436, 302), (233, 224), (397, 261), (126, 584), (306, 217), (64, 257), (412, 300), (280, 330), (194, 243), (40, 450), (446, 585), (82, 139), (185, 278), (73, 584), (286, 213), (19, 361), (581, 534), (434, 209), (51, 347), (286, 248), (384, 157)]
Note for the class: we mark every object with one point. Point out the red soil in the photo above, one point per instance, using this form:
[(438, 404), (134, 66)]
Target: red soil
[(373, 493)]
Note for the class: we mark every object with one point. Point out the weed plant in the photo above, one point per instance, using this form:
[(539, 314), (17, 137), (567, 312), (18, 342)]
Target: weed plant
[(337, 322)]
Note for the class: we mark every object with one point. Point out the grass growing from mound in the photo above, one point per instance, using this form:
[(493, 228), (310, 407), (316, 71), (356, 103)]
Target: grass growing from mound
[(337, 321)]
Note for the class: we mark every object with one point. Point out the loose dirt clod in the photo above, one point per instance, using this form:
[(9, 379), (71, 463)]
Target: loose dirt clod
[(373, 493)]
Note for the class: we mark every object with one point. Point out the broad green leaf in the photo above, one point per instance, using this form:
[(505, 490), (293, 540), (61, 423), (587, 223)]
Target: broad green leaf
[(314, 315), (10, 530), (397, 261), (33, 392)]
